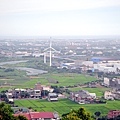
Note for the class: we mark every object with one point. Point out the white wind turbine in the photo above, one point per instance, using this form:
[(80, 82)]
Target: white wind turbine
[(50, 49)]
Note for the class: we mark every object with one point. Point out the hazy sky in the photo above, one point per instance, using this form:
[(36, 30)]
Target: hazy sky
[(59, 17)]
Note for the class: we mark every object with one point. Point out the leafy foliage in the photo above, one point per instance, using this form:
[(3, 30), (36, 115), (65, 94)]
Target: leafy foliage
[(20, 117), (80, 114), (6, 113), (97, 114)]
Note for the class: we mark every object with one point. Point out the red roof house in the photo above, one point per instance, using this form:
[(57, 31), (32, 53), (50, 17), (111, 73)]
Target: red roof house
[(39, 115), (113, 113)]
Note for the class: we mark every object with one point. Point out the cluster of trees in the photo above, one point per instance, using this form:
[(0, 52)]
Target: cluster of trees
[(6, 113), (3, 95), (57, 89), (80, 114), (60, 89), (44, 93)]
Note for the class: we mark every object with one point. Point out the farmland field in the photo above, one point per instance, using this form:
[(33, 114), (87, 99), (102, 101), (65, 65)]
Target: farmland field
[(19, 78), (61, 79), (71, 79), (65, 105)]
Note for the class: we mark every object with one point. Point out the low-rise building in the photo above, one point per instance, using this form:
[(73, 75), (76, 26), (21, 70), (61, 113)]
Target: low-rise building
[(106, 81), (40, 115), (82, 96), (116, 93), (47, 88), (37, 93), (113, 113), (115, 83), (9, 97), (52, 97), (108, 95), (37, 90)]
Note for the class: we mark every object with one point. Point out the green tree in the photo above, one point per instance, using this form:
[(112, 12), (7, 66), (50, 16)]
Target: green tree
[(6, 113), (83, 114), (71, 116), (80, 114), (97, 114), (20, 117)]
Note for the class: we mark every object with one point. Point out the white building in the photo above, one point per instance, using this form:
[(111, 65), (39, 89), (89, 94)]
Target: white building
[(109, 66), (88, 63), (52, 97), (106, 81), (93, 95), (108, 95), (48, 88), (9, 97), (37, 93)]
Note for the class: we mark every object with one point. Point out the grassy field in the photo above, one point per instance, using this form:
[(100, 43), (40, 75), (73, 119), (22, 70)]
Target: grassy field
[(12, 77), (51, 79), (71, 79), (66, 79), (20, 79), (65, 105)]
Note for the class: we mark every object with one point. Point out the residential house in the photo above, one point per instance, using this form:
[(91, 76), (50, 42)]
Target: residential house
[(47, 88), (29, 92), (106, 81), (40, 115), (18, 93), (9, 97), (82, 96), (115, 83), (37, 90), (108, 95), (116, 93), (113, 113), (52, 97)]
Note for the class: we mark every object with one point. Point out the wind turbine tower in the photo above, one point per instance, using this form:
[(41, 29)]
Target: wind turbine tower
[(44, 57), (50, 54), (50, 49)]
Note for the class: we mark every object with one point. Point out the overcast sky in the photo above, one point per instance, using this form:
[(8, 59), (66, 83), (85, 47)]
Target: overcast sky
[(59, 17)]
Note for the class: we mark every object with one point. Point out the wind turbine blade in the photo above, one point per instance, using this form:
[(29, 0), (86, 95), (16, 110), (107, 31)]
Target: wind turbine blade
[(46, 49), (53, 49)]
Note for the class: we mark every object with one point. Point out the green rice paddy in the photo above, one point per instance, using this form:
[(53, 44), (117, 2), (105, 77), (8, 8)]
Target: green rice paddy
[(65, 105)]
